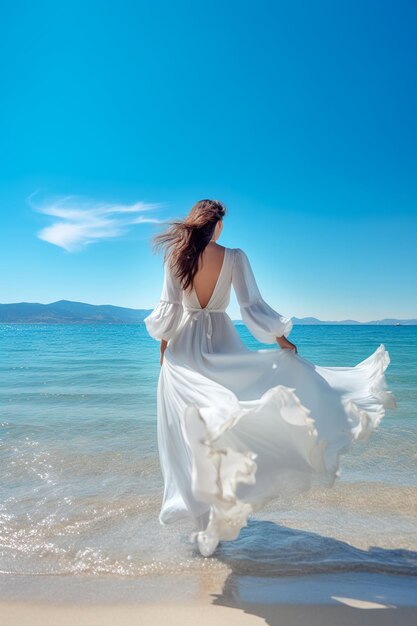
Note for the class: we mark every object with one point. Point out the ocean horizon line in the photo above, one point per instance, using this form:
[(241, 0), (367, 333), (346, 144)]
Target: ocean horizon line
[(75, 312)]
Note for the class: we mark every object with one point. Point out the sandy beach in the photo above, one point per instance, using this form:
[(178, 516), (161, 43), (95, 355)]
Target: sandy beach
[(154, 615), (326, 599)]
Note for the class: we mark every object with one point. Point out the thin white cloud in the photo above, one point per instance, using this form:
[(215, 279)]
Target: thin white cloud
[(81, 222)]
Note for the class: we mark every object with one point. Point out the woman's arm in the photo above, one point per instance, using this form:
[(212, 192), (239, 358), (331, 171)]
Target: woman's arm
[(283, 342), (164, 344), (163, 321), (265, 324)]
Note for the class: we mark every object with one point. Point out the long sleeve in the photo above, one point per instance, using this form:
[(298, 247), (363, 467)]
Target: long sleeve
[(262, 321), (163, 322)]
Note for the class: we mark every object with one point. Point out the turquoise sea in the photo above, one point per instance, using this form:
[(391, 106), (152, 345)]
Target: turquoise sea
[(80, 483)]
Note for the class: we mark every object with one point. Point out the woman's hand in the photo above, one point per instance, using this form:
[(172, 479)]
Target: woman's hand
[(164, 344), (284, 343)]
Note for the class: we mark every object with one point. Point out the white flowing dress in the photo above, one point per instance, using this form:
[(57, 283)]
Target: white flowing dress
[(236, 427)]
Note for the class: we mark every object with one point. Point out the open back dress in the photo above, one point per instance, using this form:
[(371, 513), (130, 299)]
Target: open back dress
[(236, 427)]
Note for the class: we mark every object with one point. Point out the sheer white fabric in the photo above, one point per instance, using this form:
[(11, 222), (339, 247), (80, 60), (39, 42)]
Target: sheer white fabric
[(237, 427), (163, 322), (264, 323)]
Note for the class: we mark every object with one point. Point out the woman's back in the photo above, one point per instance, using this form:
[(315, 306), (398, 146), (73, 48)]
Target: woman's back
[(210, 265)]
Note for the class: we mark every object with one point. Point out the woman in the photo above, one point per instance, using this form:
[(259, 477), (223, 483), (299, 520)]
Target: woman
[(239, 427)]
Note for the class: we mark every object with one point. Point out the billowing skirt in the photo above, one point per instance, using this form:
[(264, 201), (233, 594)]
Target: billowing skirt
[(238, 428)]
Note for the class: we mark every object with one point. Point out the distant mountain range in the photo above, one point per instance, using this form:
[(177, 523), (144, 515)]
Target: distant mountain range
[(384, 322), (68, 312)]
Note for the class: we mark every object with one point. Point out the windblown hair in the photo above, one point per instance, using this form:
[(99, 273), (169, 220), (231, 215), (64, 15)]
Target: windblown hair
[(184, 240)]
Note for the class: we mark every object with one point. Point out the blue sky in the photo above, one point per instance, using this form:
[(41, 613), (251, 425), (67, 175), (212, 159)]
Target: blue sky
[(299, 116)]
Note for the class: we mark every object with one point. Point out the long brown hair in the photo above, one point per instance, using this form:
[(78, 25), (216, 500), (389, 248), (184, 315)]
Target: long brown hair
[(184, 240)]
